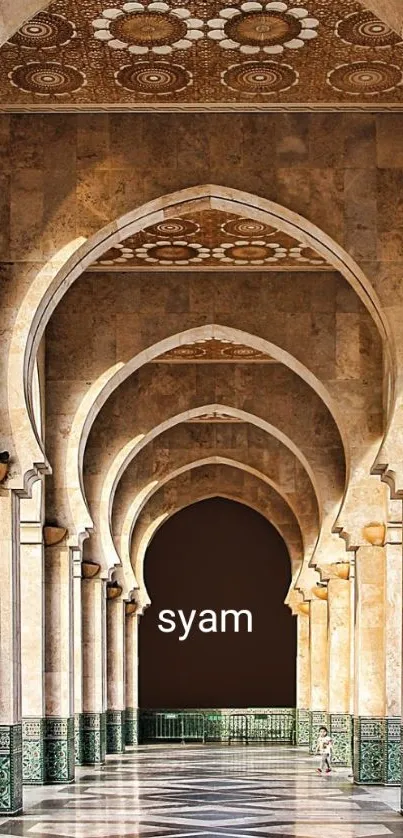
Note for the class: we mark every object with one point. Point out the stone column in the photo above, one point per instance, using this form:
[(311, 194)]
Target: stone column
[(318, 630), (78, 662), (10, 657), (94, 640), (115, 670), (370, 680), (131, 687), (393, 649), (33, 651), (59, 664), (303, 675), (339, 610)]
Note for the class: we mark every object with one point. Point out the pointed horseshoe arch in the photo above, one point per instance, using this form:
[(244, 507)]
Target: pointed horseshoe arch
[(65, 267)]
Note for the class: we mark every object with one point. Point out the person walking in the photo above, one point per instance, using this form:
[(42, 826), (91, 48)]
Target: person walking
[(324, 749)]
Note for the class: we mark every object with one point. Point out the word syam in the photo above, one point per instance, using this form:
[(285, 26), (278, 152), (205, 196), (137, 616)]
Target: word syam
[(209, 621)]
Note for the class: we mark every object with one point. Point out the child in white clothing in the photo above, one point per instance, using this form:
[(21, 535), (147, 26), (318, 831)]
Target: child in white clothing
[(324, 748)]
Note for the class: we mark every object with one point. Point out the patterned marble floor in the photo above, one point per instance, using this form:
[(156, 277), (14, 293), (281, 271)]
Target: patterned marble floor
[(221, 792)]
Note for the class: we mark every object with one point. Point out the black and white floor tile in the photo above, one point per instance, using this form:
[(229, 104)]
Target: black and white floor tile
[(207, 792)]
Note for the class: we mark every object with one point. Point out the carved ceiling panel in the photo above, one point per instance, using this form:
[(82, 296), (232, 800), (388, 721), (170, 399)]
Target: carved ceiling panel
[(202, 53), (210, 239)]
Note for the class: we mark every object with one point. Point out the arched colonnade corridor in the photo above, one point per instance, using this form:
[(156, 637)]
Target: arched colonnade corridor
[(196, 324)]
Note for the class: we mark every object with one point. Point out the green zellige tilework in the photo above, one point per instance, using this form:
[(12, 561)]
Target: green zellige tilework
[(33, 751), (59, 750), (10, 769)]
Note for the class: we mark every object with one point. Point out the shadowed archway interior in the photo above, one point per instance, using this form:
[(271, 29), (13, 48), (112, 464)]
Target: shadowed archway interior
[(218, 554)]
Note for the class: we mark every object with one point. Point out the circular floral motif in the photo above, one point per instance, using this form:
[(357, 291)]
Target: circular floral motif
[(365, 77), (44, 31), (365, 30), (263, 26), (142, 28), (174, 227), (305, 254), (153, 77), (254, 77), (118, 254), (173, 252), (249, 252), (247, 227), (47, 78)]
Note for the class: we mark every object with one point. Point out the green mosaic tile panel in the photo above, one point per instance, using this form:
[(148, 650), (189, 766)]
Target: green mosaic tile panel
[(93, 738), (393, 773), (59, 750), (115, 732), (318, 719), (303, 727), (370, 749), (341, 731), (78, 739), (33, 751), (131, 726), (10, 769)]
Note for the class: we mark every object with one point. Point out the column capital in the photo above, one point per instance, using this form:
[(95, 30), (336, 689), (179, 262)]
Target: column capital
[(90, 569)]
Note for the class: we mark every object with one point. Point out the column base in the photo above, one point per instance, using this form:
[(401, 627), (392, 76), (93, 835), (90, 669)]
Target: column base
[(93, 738), (318, 719), (78, 738), (10, 769), (377, 751), (33, 751), (303, 727), (59, 750), (341, 732), (131, 726), (115, 743)]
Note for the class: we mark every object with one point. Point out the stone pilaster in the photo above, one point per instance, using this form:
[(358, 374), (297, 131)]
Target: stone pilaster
[(131, 675), (339, 605), (32, 651), (59, 665), (303, 677), (10, 657), (93, 593), (78, 663), (393, 644), (370, 734), (318, 632), (115, 718)]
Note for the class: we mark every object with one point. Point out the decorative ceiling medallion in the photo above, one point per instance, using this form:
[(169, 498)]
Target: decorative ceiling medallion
[(269, 27), (264, 77), (142, 28), (153, 77), (365, 78), (213, 350), (47, 78), (365, 30), (174, 227), (247, 227), (44, 31), (172, 252), (117, 255), (244, 252)]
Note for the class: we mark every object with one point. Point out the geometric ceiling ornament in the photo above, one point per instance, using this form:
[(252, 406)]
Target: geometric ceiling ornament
[(213, 350), (202, 55), (210, 239), (262, 27)]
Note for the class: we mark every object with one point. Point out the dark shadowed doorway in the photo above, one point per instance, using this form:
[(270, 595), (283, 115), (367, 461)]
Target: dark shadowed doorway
[(218, 554)]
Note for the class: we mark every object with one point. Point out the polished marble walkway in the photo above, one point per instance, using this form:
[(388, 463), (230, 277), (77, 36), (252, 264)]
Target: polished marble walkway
[(217, 791)]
